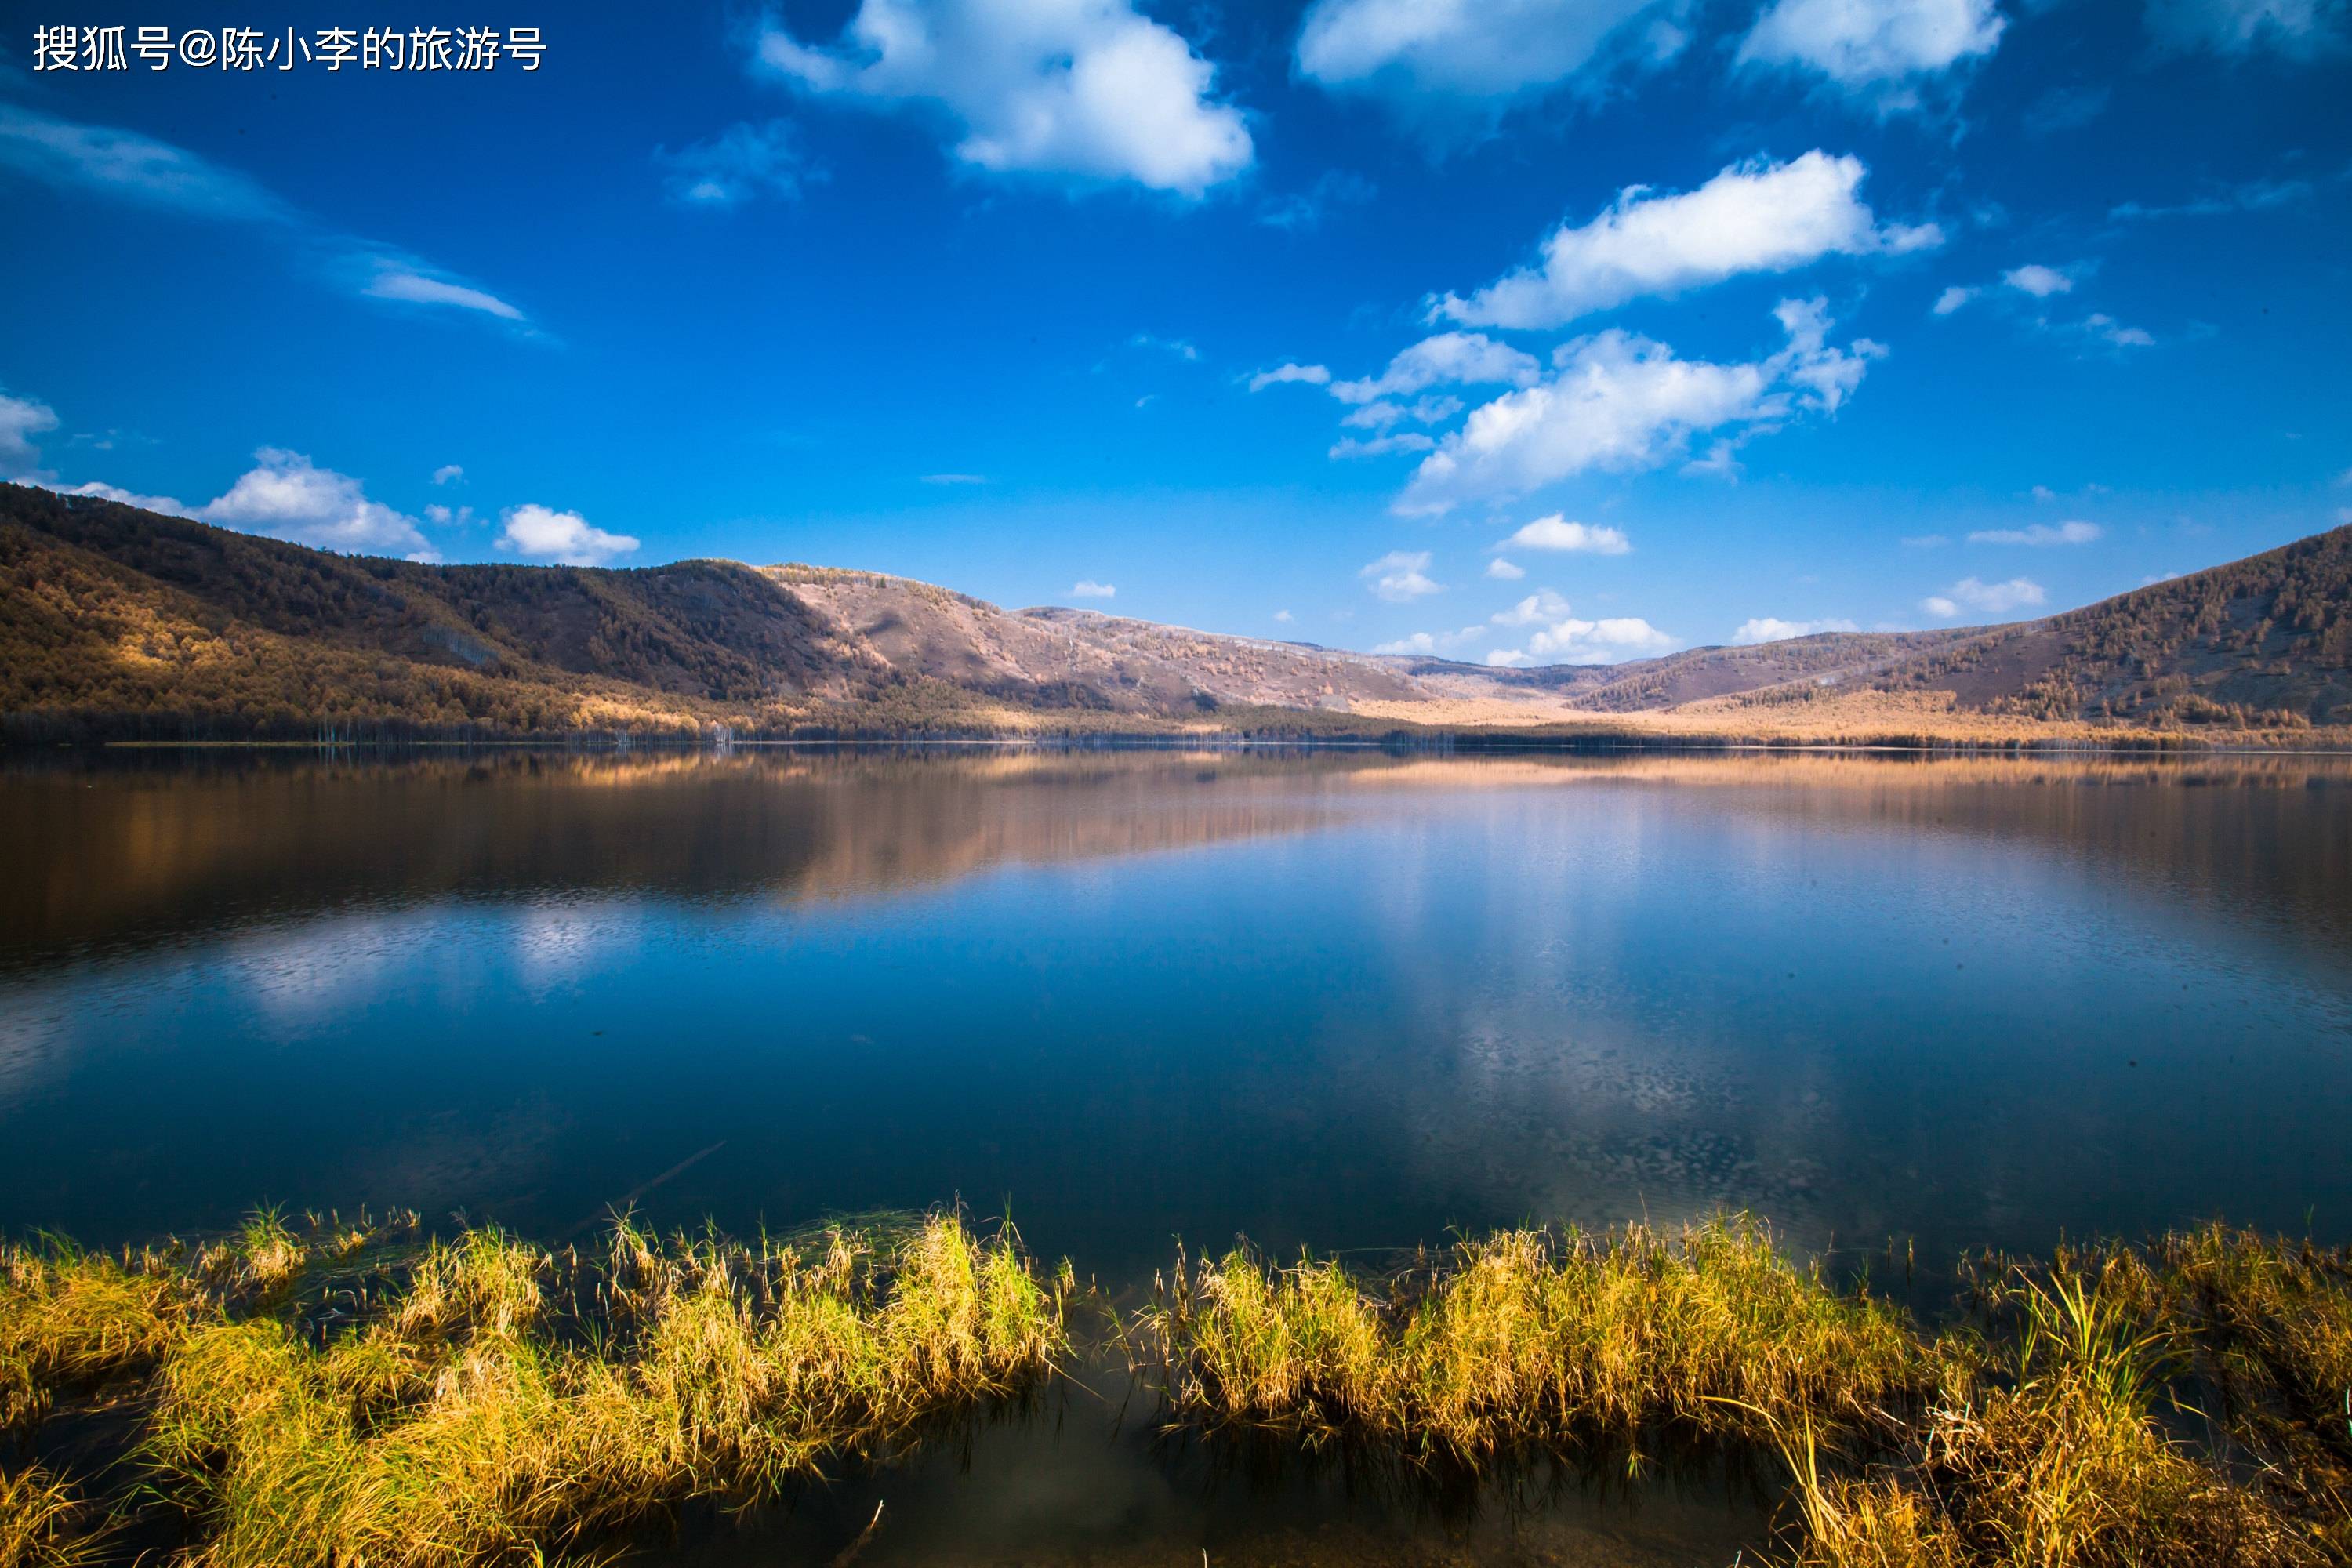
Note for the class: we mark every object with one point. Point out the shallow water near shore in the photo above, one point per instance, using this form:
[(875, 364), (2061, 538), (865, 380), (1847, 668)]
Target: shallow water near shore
[(1349, 1000)]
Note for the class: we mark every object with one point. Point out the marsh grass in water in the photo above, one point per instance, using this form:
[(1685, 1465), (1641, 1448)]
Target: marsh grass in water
[(2051, 1426), (332, 1397), (338, 1394)]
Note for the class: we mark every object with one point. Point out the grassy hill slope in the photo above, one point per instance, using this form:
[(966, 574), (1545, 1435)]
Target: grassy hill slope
[(120, 623)]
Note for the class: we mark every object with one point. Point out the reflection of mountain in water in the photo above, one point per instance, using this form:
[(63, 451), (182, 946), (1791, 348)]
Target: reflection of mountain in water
[(158, 844), (162, 848)]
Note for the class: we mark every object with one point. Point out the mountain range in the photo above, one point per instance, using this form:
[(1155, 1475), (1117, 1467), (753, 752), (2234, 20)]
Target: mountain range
[(120, 624)]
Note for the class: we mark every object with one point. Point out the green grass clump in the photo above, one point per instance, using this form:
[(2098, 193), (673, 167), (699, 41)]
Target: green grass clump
[(1531, 1339)]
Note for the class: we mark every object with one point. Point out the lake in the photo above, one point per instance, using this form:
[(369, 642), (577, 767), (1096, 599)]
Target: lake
[(1337, 999)]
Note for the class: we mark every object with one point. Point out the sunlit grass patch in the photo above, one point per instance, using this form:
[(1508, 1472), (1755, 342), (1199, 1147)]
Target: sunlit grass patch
[(41, 1523), (1530, 1339), (468, 1419)]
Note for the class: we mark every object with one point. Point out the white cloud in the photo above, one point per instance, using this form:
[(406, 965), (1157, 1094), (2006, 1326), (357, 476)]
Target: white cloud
[(169, 505), (1555, 532), (2115, 334), (1503, 571), (21, 419), (447, 474), (1456, 358), (1953, 298), (1180, 347), (1569, 640), (1461, 50), (1083, 88), (2038, 280), (1297, 211), (955, 479), (1088, 588), (541, 534), (1401, 576), (395, 281), (740, 162), (1285, 616), (1756, 216), (1507, 658), (130, 167), (1403, 441), (2296, 29), (286, 495), (1991, 598), (2044, 493), (122, 165), (1620, 403), (1311, 374), (2040, 535), (1539, 608), (1431, 642), (1864, 43), (1772, 629)]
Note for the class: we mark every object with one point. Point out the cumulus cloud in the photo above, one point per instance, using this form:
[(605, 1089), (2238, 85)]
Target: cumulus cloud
[(1431, 642), (2040, 535), (1309, 374), (1873, 43), (740, 162), (169, 505), (1619, 402), (1285, 616), (1539, 608), (1953, 298), (2038, 280), (448, 474), (21, 419), (565, 538), (2298, 29), (1088, 588), (1991, 598), (1420, 53), (286, 496), (1772, 629), (1507, 658), (1562, 637), (1555, 532), (1088, 89), (1503, 571), (1456, 359), (1400, 576), (1756, 216)]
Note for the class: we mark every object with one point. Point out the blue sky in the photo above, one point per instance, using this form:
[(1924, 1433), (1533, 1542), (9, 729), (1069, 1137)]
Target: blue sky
[(1533, 329)]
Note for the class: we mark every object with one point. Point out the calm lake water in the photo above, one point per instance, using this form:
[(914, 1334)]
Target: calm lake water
[(1342, 999)]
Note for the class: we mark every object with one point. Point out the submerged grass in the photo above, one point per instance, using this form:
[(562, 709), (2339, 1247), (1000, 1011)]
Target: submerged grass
[(315, 1400)]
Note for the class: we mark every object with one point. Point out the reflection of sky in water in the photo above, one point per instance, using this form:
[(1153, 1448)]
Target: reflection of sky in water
[(1271, 1004)]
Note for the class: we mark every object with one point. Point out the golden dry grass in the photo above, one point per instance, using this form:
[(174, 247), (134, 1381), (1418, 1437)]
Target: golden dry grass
[(484, 1400)]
